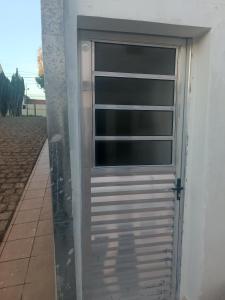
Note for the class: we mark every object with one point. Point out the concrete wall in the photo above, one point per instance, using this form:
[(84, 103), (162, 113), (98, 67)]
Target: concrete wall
[(60, 143), (203, 263), (193, 12)]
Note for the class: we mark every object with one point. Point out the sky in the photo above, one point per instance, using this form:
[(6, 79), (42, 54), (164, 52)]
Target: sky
[(20, 38)]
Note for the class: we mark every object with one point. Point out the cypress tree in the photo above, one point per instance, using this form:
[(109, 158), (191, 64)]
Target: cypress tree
[(5, 93), (17, 94)]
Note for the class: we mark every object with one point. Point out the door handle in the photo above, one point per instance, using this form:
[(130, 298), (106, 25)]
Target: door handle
[(178, 188)]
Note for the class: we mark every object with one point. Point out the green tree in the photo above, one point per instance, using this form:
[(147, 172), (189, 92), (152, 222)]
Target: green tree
[(17, 94), (5, 94), (40, 81)]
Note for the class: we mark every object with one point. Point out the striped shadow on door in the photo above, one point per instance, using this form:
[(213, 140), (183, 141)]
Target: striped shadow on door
[(132, 221)]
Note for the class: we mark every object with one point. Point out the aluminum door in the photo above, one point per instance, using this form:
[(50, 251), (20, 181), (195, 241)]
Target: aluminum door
[(132, 108)]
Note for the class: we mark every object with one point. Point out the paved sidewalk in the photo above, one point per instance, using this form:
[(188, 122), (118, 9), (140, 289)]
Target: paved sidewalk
[(27, 251)]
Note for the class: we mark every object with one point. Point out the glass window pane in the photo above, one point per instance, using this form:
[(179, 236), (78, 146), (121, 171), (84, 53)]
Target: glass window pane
[(117, 153), (133, 91), (134, 59), (133, 122)]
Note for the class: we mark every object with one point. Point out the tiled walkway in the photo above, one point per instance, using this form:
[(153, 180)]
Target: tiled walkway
[(27, 252)]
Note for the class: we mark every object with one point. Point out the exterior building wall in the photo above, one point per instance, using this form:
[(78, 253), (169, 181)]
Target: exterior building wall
[(203, 263), (53, 37)]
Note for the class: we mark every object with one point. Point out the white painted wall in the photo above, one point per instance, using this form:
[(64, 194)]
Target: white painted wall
[(194, 12), (203, 263)]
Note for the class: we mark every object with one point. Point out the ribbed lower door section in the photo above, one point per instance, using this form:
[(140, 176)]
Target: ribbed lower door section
[(132, 237)]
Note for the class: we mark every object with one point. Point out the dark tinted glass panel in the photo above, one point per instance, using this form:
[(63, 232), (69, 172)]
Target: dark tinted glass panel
[(132, 91), (117, 153), (134, 59), (133, 122)]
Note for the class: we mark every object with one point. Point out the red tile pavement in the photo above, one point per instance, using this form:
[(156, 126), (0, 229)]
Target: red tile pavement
[(27, 252), (21, 139)]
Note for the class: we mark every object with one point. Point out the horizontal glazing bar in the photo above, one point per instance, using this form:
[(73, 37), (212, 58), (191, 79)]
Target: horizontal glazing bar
[(134, 138), (134, 75), (134, 107)]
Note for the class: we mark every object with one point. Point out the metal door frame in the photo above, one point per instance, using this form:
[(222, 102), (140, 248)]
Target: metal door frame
[(86, 39)]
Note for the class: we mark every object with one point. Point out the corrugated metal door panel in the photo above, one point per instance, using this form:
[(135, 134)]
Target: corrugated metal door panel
[(132, 227)]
